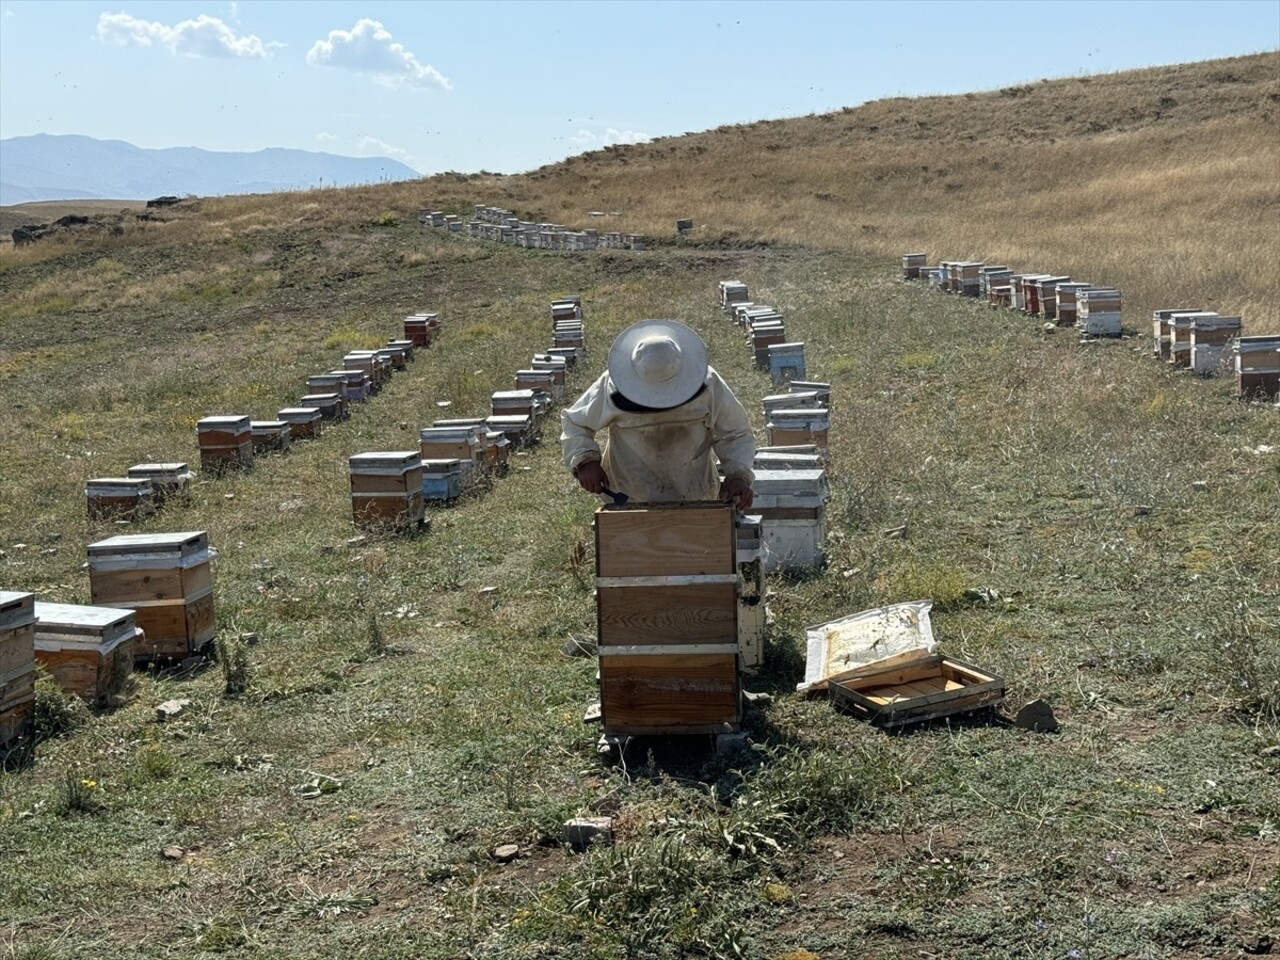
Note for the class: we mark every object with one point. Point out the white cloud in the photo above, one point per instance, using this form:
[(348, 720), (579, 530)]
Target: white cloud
[(611, 135), (204, 36), (368, 47), (325, 137), (373, 147)]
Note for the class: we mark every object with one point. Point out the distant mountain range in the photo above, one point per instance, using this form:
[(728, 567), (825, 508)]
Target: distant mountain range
[(68, 167)]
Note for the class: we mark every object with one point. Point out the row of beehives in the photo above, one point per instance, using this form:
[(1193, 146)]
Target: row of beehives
[(390, 489), (1094, 310), (232, 442), (787, 519), (152, 602), (1201, 340), (502, 226)]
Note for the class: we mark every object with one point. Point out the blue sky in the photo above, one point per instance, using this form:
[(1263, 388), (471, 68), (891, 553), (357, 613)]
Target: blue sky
[(509, 86)]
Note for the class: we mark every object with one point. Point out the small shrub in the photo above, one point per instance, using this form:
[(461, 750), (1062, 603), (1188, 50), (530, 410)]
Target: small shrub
[(57, 713), (377, 640), (233, 657), (77, 794)]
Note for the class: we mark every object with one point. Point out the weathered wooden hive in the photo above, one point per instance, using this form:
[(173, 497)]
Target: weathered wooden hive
[(395, 356), (1047, 296), (386, 490), (732, 292), (332, 406), (542, 381), (167, 580), (1068, 302), (667, 619), (752, 615), (17, 665), (225, 443), (1162, 332), (788, 426), (1210, 339), (912, 263), (119, 498), (786, 363), (169, 481), (89, 651), (442, 478), (519, 429), (304, 422), (1257, 363), (1098, 313), (356, 385), (791, 504), (270, 436)]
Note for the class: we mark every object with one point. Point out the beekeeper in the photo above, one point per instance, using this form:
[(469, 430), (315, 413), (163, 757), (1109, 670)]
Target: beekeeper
[(664, 413)]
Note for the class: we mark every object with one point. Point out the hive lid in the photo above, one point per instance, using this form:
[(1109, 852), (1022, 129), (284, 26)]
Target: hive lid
[(223, 423), (183, 543), (16, 609), (158, 469), (293, 414), (398, 461)]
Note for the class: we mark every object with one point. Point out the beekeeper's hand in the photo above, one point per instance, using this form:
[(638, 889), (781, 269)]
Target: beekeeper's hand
[(591, 476), (738, 492)]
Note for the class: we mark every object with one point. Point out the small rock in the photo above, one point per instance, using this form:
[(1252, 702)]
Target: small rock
[(486, 591), (1143, 510), (404, 424), (579, 645), (171, 709), (896, 533), (357, 541), (581, 832), (1272, 751), (172, 852), (48, 551), (1199, 484), (982, 594), (228, 496), (3, 554), (249, 639), (506, 853), (19, 546), (1050, 328), (1037, 716)]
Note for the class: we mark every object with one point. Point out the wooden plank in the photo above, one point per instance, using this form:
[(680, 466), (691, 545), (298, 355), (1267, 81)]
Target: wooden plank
[(657, 694), (664, 541), (698, 613), (406, 483), (117, 587)]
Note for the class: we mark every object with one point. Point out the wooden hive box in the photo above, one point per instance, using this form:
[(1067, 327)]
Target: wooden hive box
[(1179, 326), (332, 406), (225, 443), (568, 354), (167, 580), (795, 400), (404, 346), (367, 361), (331, 382), (911, 265), (1098, 312), (823, 390), (970, 284), (752, 618), (170, 481), (417, 329), (270, 436), (89, 651), (787, 427), (786, 363), (442, 479), (1047, 295), (923, 689), (556, 365), (762, 338), (1257, 362), (386, 490), (667, 618), (119, 498), (397, 356), (17, 664), (1068, 302), (356, 385), (1210, 339), (1161, 331), (508, 403), (1029, 300), (304, 422)]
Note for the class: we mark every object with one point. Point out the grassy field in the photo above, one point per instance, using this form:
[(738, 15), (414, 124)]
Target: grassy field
[(397, 719)]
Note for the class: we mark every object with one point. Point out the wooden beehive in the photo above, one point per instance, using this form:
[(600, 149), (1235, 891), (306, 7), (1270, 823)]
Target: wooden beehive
[(89, 651), (17, 665), (355, 385), (417, 328), (170, 481), (1161, 332), (1210, 337), (270, 436), (167, 580), (786, 363), (568, 354), (405, 347), (542, 381), (1068, 305), (396, 355), (911, 265), (1257, 362), (304, 422), (442, 479), (366, 361), (787, 427), (519, 429), (752, 618), (1098, 311), (119, 498), (923, 689), (732, 292), (225, 443), (386, 490), (332, 406), (667, 618)]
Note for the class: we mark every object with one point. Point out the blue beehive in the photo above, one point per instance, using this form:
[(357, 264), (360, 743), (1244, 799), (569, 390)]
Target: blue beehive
[(786, 362)]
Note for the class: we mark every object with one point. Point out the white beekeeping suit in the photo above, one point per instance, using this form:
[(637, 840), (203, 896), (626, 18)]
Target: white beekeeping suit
[(664, 413)]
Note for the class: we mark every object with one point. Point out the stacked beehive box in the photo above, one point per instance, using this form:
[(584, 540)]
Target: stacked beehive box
[(667, 619), (791, 504), (354, 385), (912, 264), (1257, 365), (419, 328), (799, 425), (1068, 302), (463, 443), (225, 443), (1099, 312), (1210, 339), (386, 490), (990, 277), (1162, 330), (1047, 296), (167, 580), (17, 665), (332, 406), (732, 292), (89, 651), (442, 479)]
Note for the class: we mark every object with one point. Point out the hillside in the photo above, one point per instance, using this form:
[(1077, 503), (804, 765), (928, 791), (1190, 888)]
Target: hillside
[(387, 712), (64, 167)]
